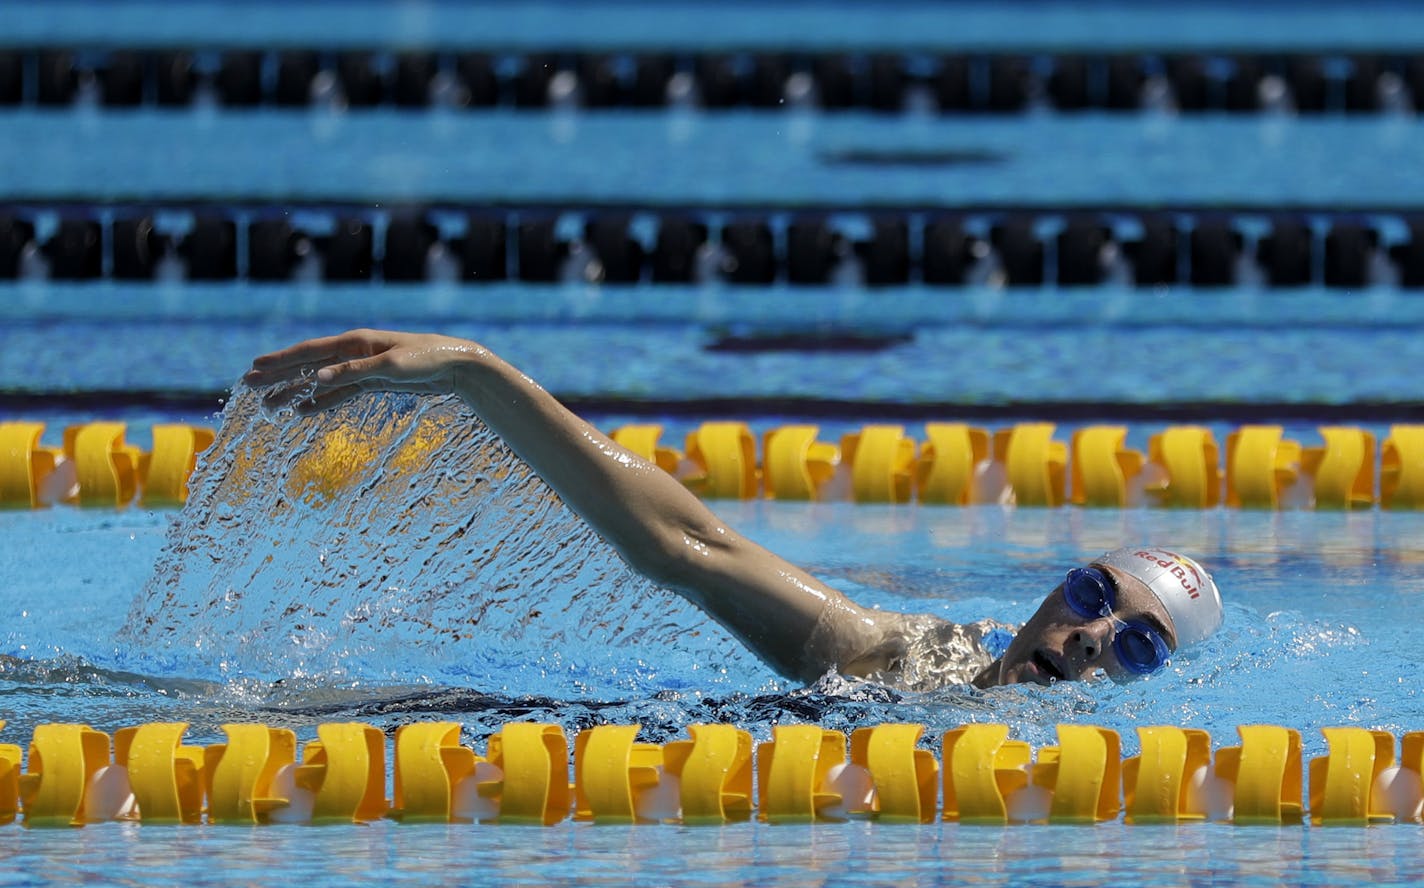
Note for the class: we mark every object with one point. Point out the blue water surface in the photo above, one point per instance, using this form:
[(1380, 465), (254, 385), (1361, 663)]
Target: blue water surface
[(955, 347), (631, 24), (1311, 640), (780, 159)]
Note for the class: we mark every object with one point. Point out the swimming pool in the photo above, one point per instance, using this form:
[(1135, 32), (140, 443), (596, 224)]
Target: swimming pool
[(116, 618), (1333, 662)]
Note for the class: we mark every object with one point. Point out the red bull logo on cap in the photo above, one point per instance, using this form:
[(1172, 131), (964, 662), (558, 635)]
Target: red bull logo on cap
[(1184, 588), (1178, 567)]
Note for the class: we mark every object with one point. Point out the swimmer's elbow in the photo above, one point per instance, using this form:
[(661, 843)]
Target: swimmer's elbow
[(858, 647), (678, 558), (659, 556)]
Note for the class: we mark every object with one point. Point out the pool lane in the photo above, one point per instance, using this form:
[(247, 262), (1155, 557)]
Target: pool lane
[(672, 159), (782, 24), (1148, 355)]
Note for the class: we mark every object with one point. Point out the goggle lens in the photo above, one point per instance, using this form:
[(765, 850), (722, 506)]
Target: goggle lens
[(1091, 595), (1140, 648)]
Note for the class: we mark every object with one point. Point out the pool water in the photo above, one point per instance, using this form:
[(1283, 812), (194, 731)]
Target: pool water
[(1310, 642), (1324, 659), (1096, 24), (746, 854), (458, 588), (723, 160), (960, 350)]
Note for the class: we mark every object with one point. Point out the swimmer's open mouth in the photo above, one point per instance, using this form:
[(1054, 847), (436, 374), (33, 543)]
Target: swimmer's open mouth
[(1047, 667)]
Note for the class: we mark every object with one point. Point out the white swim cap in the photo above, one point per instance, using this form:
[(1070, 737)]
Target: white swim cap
[(1186, 590)]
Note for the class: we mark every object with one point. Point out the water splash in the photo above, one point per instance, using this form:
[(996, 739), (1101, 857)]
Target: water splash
[(398, 539), (302, 391)]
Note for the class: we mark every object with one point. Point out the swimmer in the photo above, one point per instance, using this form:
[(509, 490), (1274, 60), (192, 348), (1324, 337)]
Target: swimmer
[(1121, 615)]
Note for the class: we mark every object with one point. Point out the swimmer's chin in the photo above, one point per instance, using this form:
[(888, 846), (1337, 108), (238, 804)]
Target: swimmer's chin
[(989, 676)]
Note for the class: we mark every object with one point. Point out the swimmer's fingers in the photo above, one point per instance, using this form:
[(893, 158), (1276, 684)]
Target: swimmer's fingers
[(331, 386), (421, 365), (290, 363), (359, 370)]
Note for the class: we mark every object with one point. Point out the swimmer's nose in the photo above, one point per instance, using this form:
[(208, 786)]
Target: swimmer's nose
[(1088, 642)]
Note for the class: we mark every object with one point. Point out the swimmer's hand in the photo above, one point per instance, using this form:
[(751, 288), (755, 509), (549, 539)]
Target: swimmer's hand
[(321, 373)]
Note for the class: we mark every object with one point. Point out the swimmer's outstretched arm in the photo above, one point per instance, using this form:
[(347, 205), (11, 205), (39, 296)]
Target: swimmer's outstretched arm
[(796, 623)]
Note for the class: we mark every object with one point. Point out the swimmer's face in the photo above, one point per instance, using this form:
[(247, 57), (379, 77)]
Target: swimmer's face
[(1058, 645)]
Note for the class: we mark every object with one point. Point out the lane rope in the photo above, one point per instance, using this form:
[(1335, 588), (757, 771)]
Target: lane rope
[(1000, 82), (874, 246), (1184, 466), (75, 775)]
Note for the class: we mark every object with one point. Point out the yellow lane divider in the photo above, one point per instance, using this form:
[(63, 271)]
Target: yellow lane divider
[(96, 466), (25, 466), (804, 773), (1188, 468), (1026, 465), (956, 464)]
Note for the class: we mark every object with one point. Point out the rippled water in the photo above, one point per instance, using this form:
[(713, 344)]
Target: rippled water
[(1091, 24), (973, 347), (743, 854)]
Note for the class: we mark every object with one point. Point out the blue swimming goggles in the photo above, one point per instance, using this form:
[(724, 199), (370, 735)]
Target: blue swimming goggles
[(1091, 594)]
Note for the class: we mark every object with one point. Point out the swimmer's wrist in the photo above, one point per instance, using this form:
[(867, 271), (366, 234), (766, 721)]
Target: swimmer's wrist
[(471, 367)]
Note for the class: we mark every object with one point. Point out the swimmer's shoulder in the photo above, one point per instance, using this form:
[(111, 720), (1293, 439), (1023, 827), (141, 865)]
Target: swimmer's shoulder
[(935, 652)]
